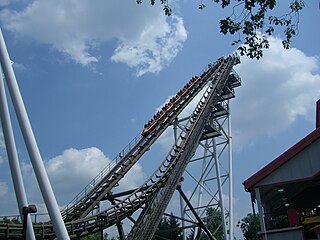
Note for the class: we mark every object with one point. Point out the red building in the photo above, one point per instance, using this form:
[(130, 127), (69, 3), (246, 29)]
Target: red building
[(287, 191)]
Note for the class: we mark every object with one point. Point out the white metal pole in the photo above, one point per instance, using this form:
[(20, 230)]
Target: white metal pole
[(217, 165), (13, 157), (260, 210), (31, 144), (230, 175)]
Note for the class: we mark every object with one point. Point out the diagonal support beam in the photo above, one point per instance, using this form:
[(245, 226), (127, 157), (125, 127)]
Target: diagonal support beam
[(13, 157), (201, 223), (118, 224), (31, 143)]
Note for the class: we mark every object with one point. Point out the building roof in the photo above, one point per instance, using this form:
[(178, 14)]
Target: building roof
[(286, 156)]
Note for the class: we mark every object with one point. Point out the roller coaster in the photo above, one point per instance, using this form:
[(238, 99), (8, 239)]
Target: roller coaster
[(145, 206)]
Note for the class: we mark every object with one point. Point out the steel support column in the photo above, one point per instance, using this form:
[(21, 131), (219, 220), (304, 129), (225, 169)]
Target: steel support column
[(31, 144), (211, 172), (260, 210), (201, 183), (219, 182), (201, 224), (230, 176), (13, 158)]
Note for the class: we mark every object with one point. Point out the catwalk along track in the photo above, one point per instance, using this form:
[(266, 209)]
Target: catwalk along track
[(151, 198)]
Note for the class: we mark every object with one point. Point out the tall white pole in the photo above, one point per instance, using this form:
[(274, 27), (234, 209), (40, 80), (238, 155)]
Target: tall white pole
[(13, 157), (261, 213), (31, 144), (230, 176), (217, 165)]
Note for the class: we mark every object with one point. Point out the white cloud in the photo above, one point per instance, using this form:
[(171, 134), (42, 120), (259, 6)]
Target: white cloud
[(166, 140), (71, 171), (4, 3), (133, 120), (157, 45), (78, 167), (75, 168), (134, 178), (19, 66), (3, 189), (147, 40), (276, 90)]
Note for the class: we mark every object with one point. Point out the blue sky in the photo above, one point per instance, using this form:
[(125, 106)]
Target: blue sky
[(93, 72)]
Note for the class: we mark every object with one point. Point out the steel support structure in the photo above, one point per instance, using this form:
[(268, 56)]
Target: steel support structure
[(13, 159), (208, 176), (198, 159), (31, 143), (200, 222), (231, 220)]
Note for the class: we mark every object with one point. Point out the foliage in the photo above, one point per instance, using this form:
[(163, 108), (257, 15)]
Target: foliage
[(8, 221), (252, 21), (249, 226), (213, 222), (97, 236), (168, 229)]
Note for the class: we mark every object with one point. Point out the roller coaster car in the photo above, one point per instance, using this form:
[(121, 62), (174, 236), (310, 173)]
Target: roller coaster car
[(167, 109), (159, 116)]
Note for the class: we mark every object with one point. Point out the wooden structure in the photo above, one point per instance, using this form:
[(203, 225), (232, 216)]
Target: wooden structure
[(287, 191)]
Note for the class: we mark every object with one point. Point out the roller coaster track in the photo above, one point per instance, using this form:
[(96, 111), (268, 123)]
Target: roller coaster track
[(186, 147), (108, 178), (154, 195)]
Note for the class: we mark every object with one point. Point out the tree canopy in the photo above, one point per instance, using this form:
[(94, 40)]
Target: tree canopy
[(213, 222), (250, 226), (7, 220), (97, 236), (168, 229), (252, 21)]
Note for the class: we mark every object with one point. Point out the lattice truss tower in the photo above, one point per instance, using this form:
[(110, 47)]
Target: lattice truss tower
[(207, 180), (208, 177)]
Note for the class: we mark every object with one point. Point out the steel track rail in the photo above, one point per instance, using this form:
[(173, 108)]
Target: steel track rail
[(109, 177), (145, 228)]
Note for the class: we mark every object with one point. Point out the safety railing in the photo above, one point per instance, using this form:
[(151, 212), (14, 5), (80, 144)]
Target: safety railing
[(97, 180), (101, 175)]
